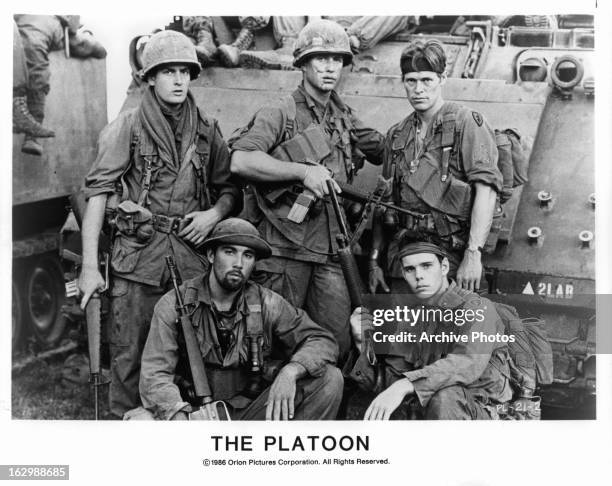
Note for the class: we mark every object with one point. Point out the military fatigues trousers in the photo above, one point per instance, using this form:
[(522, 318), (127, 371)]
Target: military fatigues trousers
[(315, 399), (131, 310), (451, 403), (318, 288), (20, 70), (372, 29)]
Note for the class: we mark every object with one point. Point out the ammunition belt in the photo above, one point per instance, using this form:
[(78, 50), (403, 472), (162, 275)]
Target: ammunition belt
[(422, 222)]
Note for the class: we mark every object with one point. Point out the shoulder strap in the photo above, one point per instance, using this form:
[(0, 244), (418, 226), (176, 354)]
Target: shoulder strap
[(120, 185), (448, 137), (199, 166), (290, 110), (145, 183), (254, 321), (254, 327)]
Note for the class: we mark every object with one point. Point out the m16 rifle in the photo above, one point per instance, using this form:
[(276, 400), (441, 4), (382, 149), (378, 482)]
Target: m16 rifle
[(355, 286), (207, 408), (93, 310)]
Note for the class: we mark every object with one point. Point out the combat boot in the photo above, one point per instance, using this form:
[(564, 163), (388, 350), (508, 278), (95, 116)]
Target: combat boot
[(229, 54), (31, 146), (36, 107), (205, 47), (83, 45), (281, 58), (24, 122)]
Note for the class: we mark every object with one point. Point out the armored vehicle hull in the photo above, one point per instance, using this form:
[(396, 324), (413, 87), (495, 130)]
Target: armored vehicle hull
[(76, 110)]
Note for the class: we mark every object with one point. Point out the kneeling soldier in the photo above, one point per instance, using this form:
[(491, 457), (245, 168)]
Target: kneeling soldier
[(450, 380), (242, 327)]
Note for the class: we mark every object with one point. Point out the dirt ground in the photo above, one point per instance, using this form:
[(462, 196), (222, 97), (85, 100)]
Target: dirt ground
[(57, 389), (41, 392)]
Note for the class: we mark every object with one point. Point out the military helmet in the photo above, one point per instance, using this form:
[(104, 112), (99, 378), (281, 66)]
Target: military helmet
[(169, 47), (238, 231), (322, 37)]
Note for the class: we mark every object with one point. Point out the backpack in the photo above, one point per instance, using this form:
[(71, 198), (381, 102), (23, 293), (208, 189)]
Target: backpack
[(531, 360), (512, 161)]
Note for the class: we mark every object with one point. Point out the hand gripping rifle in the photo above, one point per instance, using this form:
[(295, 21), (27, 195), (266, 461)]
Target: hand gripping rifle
[(354, 285), (203, 394)]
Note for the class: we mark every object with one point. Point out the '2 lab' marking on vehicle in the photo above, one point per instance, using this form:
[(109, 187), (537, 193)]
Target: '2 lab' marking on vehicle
[(548, 289)]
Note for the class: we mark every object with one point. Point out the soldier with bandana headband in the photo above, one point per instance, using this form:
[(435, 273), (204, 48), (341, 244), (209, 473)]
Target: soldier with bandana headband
[(461, 380), (442, 163)]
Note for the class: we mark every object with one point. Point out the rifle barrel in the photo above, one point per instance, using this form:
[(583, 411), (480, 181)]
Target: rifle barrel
[(352, 194), (334, 199), (196, 362)]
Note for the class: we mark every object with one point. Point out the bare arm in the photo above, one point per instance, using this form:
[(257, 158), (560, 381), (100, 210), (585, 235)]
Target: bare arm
[(482, 215), (261, 167), (470, 269), (90, 279)]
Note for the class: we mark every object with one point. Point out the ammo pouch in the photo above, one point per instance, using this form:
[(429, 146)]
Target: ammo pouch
[(310, 146), (134, 220), (452, 196)]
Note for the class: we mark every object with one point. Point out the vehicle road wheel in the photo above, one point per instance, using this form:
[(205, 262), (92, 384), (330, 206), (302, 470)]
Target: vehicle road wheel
[(44, 297)]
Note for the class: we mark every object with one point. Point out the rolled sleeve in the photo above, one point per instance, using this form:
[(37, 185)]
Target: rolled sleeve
[(113, 156), (262, 133), (158, 392), (369, 141), (479, 152), (305, 341)]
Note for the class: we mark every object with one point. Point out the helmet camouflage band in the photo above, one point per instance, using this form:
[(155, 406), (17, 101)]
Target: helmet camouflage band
[(169, 47), (322, 37)]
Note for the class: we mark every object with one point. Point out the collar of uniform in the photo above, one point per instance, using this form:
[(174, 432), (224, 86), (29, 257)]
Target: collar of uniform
[(204, 297), (334, 99), (449, 299), (437, 119)]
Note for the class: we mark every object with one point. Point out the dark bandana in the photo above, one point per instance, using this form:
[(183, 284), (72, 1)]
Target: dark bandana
[(420, 247)]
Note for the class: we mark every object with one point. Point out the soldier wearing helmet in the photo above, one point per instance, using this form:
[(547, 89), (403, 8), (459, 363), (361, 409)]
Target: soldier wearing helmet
[(162, 177), (442, 160), (288, 152), (264, 357)]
